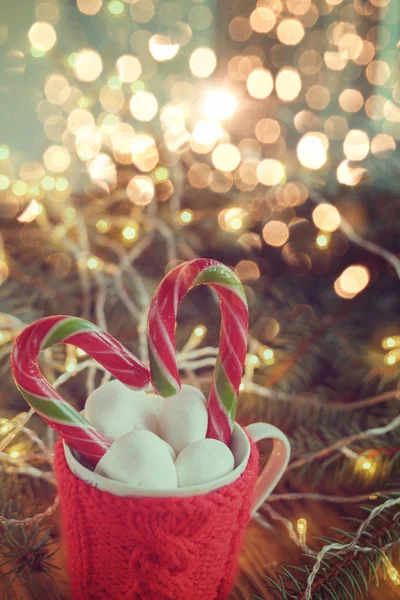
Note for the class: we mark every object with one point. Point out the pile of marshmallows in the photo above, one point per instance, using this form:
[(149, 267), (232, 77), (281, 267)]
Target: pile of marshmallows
[(157, 443)]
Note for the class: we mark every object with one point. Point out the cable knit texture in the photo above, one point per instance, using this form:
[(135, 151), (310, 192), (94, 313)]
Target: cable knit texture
[(153, 548)]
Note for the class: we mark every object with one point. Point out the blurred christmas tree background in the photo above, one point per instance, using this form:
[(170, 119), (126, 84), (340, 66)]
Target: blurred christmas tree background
[(138, 134)]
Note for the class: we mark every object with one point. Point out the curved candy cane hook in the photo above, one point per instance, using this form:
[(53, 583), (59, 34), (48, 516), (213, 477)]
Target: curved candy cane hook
[(48, 403), (233, 338)]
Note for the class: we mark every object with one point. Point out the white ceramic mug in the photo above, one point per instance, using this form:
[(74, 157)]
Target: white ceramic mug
[(268, 479)]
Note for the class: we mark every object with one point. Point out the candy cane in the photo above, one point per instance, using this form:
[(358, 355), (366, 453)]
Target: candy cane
[(233, 338), (48, 403)]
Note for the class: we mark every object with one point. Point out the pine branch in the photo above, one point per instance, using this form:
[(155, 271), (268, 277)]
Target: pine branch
[(339, 571)]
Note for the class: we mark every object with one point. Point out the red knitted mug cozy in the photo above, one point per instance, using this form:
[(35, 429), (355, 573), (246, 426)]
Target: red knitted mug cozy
[(153, 548)]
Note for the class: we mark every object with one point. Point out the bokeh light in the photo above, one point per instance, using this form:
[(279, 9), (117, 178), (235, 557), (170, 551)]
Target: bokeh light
[(311, 151), (129, 68), (288, 84), (326, 217), (220, 104), (140, 190), (352, 281), (88, 65), (275, 233), (260, 83), (42, 36), (225, 157), (202, 62), (143, 106)]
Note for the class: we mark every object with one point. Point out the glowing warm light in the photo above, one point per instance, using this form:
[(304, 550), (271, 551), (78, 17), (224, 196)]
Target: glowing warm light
[(220, 104), (116, 7), (129, 233), (239, 29), (225, 157), (267, 131), (199, 175), (351, 100), (200, 331), (271, 172), (275, 233), (186, 216), (88, 142), (392, 357), (202, 62), (14, 454), (290, 32), (302, 526), (92, 262), (241, 387), (88, 65), (42, 36), (356, 145), (129, 68), (352, 281), (322, 240), (143, 106), (383, 144), (231, 219), (351, 44), (111, 99), (349, 175), (311, 151), (205, 135), (260, 83), (89, 7), (288, 84), (262, 19), (144, 152), (102, 168), (378, 72), (57, 159), (161, 48), (318, 97), (79, 118), (31, 212), (4, 182), (56, 89), (391, 342), (326, 217), (247, 271), (391, 570), (140, 190), (102, 226)]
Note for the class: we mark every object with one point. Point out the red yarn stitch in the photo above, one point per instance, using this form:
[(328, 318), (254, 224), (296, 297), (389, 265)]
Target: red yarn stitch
[(153, 548)]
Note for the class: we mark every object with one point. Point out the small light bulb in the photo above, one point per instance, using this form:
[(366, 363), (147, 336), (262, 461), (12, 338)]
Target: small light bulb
[(80, 352), (186, 216), (241, 387), (236, 223), (388, 343), (366, 465), (129, 233), (302, 526), (253, 360), (322, 240), (92, 262), (14, 454), (392, 357), (391, 570), (200, 331), (102, 226)]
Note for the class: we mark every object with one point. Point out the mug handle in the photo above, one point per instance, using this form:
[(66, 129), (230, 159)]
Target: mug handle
[(277, 463)]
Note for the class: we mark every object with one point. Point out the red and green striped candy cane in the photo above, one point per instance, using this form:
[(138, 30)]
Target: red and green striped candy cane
[(233, 338), (48, 403)]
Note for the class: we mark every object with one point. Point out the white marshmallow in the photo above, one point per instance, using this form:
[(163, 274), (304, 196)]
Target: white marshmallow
[(114, 409), (183, 418), (202, 462), (140, 459), (156, 402)]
